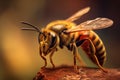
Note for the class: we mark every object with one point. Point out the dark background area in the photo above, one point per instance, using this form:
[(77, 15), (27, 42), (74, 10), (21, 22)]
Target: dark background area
[(19, 56)]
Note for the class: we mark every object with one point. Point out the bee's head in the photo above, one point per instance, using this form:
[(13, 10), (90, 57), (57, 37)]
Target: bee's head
[(47, 40), (44, 42)]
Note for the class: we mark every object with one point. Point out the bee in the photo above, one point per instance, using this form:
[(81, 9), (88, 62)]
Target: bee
[(65, 33)]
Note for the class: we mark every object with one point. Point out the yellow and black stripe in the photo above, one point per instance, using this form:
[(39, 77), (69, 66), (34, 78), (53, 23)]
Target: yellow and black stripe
[(99, 46), (82, 39)]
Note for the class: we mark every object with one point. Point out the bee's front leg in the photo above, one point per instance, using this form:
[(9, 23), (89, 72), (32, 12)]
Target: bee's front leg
[(43, 58), (51, 54)]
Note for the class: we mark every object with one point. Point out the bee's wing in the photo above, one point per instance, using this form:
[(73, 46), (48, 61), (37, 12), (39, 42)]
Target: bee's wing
[(78, 14), (98, 23)]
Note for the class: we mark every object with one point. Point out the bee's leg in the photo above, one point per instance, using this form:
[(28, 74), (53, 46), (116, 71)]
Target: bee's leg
[(93, 55), (74, 49), (99, 64), (51, 61), (43, 59), (79, 57)]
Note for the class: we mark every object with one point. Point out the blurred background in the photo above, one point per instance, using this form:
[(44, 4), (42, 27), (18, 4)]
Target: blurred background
[(19, 53)]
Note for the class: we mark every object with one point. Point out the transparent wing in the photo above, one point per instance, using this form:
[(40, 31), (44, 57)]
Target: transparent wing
[(78, 14), (98, 23)]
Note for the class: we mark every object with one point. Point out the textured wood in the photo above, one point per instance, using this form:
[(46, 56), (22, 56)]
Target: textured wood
[(68, 73)]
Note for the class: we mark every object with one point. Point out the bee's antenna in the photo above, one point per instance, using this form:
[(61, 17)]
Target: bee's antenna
[(36, 29), (31, 29)]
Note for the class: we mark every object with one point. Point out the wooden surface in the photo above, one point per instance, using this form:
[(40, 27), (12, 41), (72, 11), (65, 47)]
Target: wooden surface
[(68, 73)]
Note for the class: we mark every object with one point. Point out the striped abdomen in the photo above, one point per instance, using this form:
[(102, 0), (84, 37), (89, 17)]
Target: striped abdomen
[(100, 51), (99, 46)]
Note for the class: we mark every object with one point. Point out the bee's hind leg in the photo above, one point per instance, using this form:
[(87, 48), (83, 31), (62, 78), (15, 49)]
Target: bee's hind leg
[(93, 55)]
